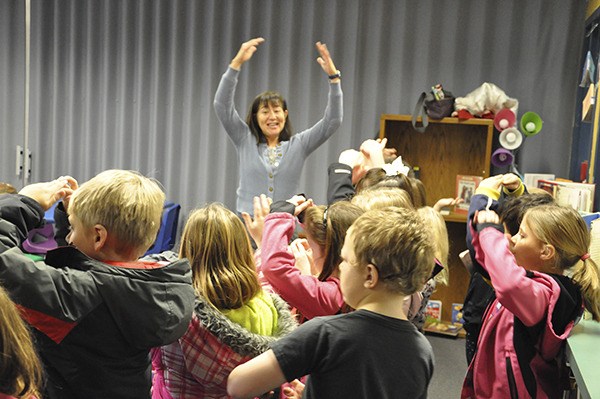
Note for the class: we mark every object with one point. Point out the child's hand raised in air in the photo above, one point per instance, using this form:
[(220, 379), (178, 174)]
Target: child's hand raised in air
[(255, 225), (304, 256), (301, 203), (48, 193), (485, 216), (511, 181), (492, 182)]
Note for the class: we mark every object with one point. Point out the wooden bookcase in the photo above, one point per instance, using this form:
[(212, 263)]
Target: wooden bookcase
[(447, 148)]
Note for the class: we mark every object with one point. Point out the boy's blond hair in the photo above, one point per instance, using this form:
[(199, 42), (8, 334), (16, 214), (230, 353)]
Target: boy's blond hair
[(398, 243), (128, 204)]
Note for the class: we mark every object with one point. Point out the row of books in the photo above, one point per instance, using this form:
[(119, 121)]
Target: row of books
[(580, 196), (434, 323)]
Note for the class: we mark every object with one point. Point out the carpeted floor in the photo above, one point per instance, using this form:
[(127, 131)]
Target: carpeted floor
[(450, 367)]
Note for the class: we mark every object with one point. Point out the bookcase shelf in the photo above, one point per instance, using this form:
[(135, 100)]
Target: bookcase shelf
[(448, 147)]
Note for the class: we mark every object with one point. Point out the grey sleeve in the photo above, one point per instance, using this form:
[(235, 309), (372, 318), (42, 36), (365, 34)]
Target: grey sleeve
[(233, 124)]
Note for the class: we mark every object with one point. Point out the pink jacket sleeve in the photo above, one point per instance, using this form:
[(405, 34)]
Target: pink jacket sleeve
[(308, 294), (527, 298)]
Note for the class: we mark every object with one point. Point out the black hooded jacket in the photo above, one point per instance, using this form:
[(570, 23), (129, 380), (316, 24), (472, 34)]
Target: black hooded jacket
[(94, 323)]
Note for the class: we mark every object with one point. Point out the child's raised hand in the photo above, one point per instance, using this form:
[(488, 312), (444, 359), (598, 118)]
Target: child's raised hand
[(48, 193), (372, 150), (301, 203), (511, 181), (492, 182), (255, 225), (444, 202), (304, 256), (484, 216), (350, 157)]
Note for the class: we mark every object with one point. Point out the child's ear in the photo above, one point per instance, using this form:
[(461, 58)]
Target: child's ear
[(100, 237), (371, 277), (548, 252)]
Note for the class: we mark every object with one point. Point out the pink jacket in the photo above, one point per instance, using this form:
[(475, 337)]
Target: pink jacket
[(521, 336), (307, 294)]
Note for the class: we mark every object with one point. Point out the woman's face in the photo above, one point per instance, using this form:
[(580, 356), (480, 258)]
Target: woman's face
[(271, 120)]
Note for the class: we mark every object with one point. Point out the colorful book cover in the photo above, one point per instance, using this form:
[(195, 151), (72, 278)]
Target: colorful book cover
[(457, 313), (433, 311), (465, 189)]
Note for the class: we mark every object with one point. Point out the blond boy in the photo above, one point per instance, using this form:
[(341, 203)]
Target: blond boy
[(95, 309), (373, 352)]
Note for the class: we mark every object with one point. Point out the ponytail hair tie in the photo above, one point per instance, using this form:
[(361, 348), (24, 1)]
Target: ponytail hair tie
[(585, 256)]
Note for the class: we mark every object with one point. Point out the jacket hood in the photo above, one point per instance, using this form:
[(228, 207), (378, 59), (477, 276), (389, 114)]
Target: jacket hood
[(238, 338)]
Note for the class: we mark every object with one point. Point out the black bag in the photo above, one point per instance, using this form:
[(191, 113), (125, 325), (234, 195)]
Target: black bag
[(429, 107)]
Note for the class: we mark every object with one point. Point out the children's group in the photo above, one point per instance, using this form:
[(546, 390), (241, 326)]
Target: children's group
[(284, 297)]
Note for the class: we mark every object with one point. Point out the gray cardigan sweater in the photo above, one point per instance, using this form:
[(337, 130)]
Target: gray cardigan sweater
[(256, 175)]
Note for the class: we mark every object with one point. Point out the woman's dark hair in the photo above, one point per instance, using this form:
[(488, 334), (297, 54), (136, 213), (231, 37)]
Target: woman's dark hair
[(265, 99)]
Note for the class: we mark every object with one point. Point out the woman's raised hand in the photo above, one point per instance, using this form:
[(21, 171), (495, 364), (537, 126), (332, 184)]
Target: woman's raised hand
[(245, 53), (325, 60)]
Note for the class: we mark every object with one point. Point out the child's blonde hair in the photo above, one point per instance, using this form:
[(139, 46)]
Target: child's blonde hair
[(377, 198), (436, 223), (126, 203), (20, 368), (566, 230), (215, 242), (398, 243)]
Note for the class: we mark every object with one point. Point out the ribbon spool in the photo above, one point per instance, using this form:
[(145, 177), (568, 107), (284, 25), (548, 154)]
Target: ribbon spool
[(531, 124), (502, 157), (511, 138), (504, 119)]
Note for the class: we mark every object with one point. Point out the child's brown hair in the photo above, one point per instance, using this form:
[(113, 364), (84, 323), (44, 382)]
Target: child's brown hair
[(20, 368), (328, 227), (398, 243)]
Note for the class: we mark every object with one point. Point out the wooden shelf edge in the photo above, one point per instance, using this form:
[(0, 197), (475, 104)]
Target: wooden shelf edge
[(455, 121), (456, 217)]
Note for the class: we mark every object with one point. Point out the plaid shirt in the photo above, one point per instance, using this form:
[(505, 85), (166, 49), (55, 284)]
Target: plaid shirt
[(198, 364)]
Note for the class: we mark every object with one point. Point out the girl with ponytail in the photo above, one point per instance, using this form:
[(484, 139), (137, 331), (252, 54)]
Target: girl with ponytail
[(543, 276)]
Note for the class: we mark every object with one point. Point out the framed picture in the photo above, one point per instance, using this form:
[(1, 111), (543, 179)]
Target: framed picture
[(465, 188)]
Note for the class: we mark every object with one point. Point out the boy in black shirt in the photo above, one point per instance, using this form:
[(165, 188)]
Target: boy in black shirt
[(373, 351)]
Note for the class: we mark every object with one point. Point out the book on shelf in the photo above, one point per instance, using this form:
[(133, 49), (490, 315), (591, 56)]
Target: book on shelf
[(532, 179), (457, 313), (465, 189), (580, 196), (433, 310)]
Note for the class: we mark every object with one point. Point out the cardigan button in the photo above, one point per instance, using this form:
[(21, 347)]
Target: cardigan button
[(271, 189)]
